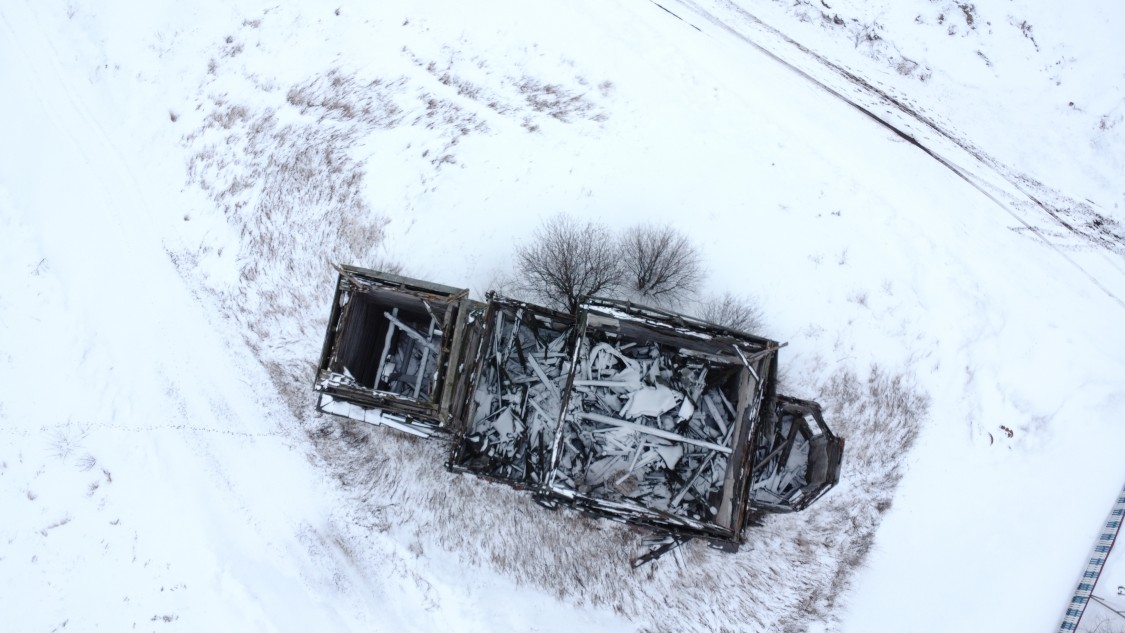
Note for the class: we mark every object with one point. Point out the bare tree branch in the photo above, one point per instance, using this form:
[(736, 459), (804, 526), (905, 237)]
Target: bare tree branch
[(738, 313), (567, 260), (661, 263)]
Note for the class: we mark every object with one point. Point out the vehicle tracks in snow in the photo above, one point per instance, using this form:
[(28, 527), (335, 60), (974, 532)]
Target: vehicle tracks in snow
[(1063, 225)]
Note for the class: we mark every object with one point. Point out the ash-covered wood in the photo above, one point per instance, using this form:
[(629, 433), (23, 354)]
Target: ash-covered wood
[(650, 424), (517, 393), (387, 346), (797, 457)]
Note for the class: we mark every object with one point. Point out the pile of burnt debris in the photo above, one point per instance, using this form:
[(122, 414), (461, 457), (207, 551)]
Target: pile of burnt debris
[(629, 412)]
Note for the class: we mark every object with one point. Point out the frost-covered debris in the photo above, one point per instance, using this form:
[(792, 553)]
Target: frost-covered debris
[(658, 418), (388, 341), (782, 475), (632, 438), (637, 414), (343, 408), (409, 357), (797, 457), (517, 399), (660, 544)]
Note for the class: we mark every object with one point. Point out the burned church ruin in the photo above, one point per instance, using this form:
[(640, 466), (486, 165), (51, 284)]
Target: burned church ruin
[(625, 411)]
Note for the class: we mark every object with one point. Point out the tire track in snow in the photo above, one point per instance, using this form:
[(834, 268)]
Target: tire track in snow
[(58, 99), (1007, 184)]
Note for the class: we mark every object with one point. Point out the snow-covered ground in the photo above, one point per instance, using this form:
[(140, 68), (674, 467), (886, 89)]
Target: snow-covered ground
[(1037, 85), (176, 180)]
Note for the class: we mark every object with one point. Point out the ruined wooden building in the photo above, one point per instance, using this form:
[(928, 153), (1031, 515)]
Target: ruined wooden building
[(625, 411)]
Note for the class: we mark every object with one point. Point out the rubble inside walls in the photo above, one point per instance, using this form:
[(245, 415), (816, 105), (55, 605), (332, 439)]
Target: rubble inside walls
[(394, 348), (517, 393), (387, 347), (797, 458), (652, 424), (782, 474), (625, 411)]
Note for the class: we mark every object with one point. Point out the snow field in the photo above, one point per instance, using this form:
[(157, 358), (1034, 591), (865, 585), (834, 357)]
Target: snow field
[(432, 137)]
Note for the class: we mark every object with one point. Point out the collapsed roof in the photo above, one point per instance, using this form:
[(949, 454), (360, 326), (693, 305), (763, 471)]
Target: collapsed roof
[(626, 411)]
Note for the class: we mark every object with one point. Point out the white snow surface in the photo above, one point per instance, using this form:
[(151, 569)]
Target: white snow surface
[(176, 178)]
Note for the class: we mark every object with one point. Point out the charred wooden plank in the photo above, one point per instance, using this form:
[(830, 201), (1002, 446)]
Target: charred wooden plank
[(640, 428)]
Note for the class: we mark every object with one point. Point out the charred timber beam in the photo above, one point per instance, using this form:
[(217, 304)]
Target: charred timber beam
[(699, 471), (766, 460), (671, 543), (386, 346), (425, 356), (640, 428), (746, 362), (411, 332)]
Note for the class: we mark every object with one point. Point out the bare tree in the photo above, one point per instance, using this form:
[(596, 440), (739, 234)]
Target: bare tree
[(738, 313), (661, 263), (567, 260), (386, 265)]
